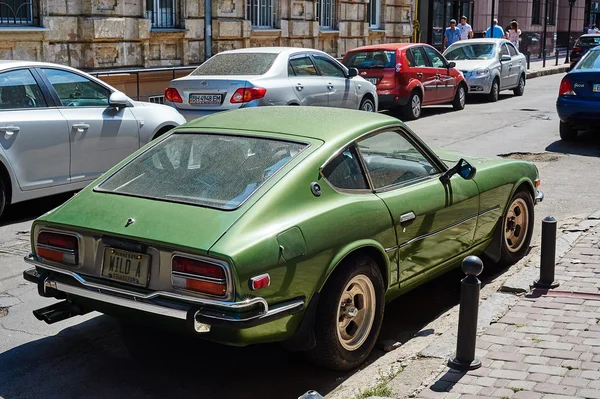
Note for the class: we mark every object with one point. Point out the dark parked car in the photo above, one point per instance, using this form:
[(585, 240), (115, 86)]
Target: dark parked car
[(581, 47)]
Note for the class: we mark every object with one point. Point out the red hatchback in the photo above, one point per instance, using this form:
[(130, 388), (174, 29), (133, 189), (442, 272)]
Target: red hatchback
[(409, 76)]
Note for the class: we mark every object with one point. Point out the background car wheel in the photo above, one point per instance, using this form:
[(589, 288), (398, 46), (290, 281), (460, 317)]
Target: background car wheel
[(567, 132), (494, 91), (460, 97), (2, 197), (517, 228), (412, 110), (367, 105), (349, 315), (520, 89)]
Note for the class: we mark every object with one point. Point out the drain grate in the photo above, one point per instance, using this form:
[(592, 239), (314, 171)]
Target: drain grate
[(531, 156)]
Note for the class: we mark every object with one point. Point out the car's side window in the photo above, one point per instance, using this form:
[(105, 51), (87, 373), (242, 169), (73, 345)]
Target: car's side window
[(345, 171), (18, 89), (392, 159), (303, 66), (75, 90), (328, 68), (417, 57), (437, 60), (512, 50), (291, 70), (504, 50)]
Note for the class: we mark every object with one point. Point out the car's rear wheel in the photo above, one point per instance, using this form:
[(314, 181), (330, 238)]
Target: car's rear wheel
[(2, 197), (567, 132), (494, 91), (460, 97), (517, 228), (349, 315), (412, 110), (520, 89), (367, 105)]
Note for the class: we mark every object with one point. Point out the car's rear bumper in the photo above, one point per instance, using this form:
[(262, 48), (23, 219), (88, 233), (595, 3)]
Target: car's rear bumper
[(387, 101), (578, 112), (200, 314)]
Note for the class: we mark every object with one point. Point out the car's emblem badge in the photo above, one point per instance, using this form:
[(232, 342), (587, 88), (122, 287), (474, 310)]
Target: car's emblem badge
[(130, 221), (204, 83)]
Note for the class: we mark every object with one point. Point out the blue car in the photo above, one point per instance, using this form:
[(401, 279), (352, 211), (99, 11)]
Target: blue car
[(578, 103)]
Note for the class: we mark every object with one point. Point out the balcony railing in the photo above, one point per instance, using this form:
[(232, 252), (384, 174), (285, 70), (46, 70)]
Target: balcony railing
[(20, 13)]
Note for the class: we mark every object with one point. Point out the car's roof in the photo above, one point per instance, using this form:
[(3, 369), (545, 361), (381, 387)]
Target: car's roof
[(5, 64), (270, 50), (481, 40), (386, 46), (590, 35), (331, 125)]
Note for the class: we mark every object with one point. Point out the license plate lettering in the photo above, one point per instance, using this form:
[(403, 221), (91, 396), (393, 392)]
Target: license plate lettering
[(596, 88), (126, 266), (372, 80), (206, 99)]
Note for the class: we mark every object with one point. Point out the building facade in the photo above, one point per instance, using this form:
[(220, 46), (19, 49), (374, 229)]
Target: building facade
[(110, 34)]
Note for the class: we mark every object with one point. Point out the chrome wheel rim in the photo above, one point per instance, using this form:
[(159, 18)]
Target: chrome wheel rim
[(416, 106), (368, 106), (495, 88), (356, 312), (521, 84), (516, 225), (461, 96)]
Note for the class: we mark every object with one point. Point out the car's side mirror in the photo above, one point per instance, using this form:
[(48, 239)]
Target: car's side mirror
[(352, 72), (452, 64), (505, 58), (462, 168), (119, 100)]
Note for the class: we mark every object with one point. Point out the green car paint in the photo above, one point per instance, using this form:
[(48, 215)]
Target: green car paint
[(299, 238)]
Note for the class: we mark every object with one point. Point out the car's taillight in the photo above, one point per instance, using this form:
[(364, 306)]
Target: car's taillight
[(172, 95), (577, 49), (247, 95), (566, 88), (56, 247), (198, 275)]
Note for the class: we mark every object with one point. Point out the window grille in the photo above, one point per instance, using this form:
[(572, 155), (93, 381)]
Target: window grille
[(373, 8), (325, 10), (20, 12), (162, 13), (260, 13)]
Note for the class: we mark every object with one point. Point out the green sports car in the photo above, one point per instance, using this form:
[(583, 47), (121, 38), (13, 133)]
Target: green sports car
[(290, 224)]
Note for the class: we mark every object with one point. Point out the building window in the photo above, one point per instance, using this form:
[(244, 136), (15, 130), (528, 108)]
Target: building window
[(325, 10), (373, 8), (551, 14), (20, 12), (260, 13), (162, 13), (535, 12)]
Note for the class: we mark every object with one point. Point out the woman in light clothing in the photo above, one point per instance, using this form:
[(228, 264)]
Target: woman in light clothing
[(513, 34)]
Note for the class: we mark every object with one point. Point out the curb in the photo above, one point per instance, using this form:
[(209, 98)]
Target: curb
[(544, 72)]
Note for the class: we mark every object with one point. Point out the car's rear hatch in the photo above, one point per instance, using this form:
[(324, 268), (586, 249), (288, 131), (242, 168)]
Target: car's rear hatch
[(378, 66)]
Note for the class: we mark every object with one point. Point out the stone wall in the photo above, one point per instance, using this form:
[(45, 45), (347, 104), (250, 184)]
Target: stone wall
[(110, 34)]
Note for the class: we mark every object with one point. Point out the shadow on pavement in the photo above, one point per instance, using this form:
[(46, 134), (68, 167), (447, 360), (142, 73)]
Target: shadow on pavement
[(587, 144), (29, 210)]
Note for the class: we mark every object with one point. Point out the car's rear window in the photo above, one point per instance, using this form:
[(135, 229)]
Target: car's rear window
[(588, 41), (218, 171), (371, 59), (236, 64), (590, 61)]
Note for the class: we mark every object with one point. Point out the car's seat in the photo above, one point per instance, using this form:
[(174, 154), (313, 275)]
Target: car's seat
[(15, 97)]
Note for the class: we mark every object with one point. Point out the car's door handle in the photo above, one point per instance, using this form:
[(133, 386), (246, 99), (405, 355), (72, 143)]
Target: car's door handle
[(407, 217), (419, 74), (437, 75), (9, 130), (299, 87), (329, 86), (81, 127)]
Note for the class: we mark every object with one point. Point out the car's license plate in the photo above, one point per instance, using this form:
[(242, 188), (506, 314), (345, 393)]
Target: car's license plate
[(596, 88), (206, 99), (372, 80), (126, 266)]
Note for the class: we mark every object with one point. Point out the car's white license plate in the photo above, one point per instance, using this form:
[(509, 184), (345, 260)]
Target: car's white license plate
[(596, 88), (206, 99), (126, 266), (373, 80)]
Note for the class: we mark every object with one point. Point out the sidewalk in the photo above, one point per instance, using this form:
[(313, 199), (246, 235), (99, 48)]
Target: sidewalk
[(547, 346), (536, 69)]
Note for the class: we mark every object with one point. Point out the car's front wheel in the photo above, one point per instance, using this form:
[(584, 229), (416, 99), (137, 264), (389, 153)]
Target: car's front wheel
[(567, 132), (367, 105), (517, 228), (2, 196), (460, 97), (494, 91), (520, 89), (349, 315)]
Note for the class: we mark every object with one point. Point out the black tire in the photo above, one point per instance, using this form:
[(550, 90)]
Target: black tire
[(367, 105), (567, 132), (460, 97), (411, 111), (330, 351), (509, 255), (2, 197), (520, 89), (494, 91)]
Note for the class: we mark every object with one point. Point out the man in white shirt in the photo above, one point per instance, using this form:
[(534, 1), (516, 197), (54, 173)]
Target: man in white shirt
[(466, 32)]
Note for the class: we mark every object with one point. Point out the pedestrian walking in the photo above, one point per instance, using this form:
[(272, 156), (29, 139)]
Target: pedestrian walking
[(593, 30), (514, 33), (497, 33), (466, 32), (451, 35)]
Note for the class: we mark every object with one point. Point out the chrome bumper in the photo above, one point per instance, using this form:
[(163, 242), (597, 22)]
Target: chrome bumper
[(200, 311), (539, 197)]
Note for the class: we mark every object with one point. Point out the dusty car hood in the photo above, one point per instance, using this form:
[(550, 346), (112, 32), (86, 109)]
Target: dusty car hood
[(469, 65)]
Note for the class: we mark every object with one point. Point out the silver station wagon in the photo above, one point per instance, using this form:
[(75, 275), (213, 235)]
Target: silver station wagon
[(261, 76), (61, 128)]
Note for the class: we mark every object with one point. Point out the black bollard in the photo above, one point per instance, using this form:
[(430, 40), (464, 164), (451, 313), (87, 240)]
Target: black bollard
[(557, 52), (472, 266), (529, 60), (548, 256)]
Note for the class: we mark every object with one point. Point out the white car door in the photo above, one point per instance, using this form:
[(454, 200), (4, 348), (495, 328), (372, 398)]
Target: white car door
[(505, 69), (33, 136), (100, 135), (341, 92), (517, 64), (306, 82)]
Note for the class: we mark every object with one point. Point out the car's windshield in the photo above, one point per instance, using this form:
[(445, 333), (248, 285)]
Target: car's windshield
[(588, 41), (371, 59), (218, 171), (236, 64), (479, 51), (590, 61)]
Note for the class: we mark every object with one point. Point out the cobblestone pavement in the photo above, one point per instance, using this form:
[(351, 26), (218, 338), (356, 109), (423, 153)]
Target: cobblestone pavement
[(547, 346)]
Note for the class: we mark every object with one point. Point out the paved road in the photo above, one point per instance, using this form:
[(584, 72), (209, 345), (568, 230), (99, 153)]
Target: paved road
[(85, 356)]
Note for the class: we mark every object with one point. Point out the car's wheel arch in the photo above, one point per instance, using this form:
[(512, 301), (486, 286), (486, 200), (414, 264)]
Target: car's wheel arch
[(164, 128), (7, 181), (415, 85), (369, 96)]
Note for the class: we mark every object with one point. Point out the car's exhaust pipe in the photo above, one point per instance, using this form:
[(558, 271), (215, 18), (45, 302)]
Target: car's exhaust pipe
[(58, 312)]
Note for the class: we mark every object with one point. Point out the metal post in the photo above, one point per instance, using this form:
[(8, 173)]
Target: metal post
[(529, 60), (207, 29), (492, 24), (557, 52), (472, 266), (548, 256), (545, 30), (137, 85), (571, 3)]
